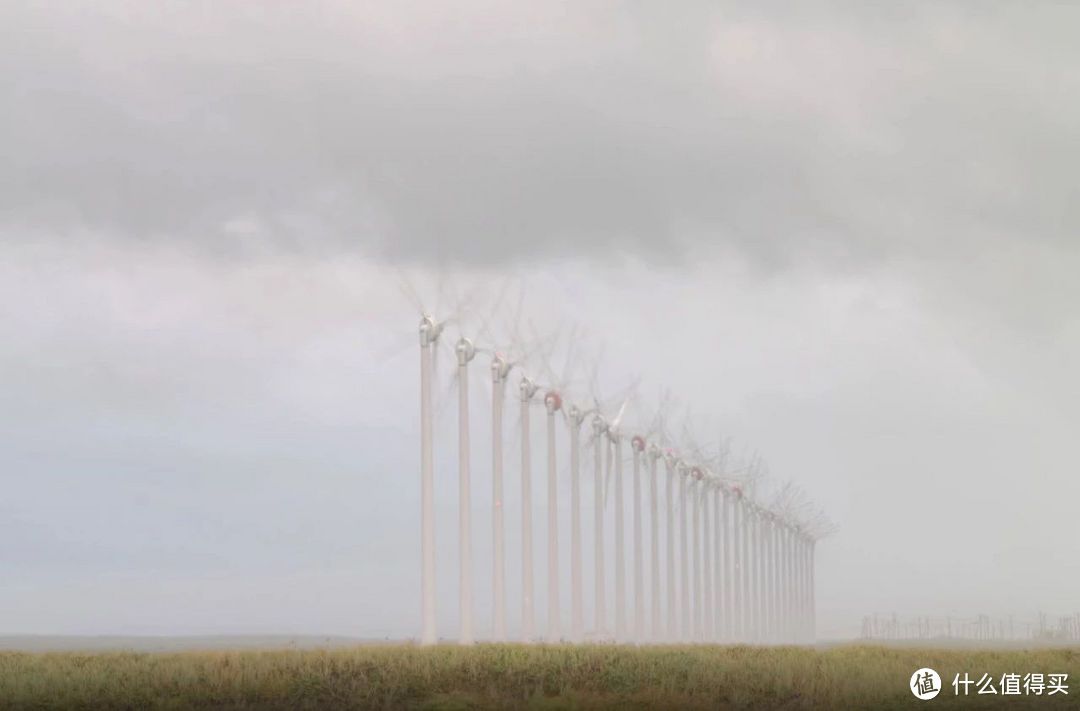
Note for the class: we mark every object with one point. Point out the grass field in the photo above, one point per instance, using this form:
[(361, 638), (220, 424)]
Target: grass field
[(514, 676)]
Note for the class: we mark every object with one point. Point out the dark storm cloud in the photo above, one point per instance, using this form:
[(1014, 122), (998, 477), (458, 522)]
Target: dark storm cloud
[(484, 133)]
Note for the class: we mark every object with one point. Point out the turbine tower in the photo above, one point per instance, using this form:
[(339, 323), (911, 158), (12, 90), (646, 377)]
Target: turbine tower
[(430, 331), (615, 452), (553, 403), (575, 417), (654, 545), (707, 575), (719, 539), (465, 353), (695, 570), (684, 553), (527, 390), (738, 614), (500, 371), (599, 426), (671, 464), (637, 444)]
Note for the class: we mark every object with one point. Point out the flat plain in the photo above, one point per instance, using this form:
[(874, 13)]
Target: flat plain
[(506, 676)]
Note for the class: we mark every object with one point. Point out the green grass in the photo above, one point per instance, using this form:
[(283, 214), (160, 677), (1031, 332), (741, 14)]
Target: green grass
[(515, 676)]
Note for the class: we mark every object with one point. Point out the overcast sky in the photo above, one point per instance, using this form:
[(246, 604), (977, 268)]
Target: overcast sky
[(843, 235)]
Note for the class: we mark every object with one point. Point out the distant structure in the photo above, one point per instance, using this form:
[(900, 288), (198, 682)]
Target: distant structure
[(980, 628), (744, 570)]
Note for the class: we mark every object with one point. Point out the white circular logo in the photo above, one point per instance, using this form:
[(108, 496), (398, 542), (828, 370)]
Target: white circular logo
[(925, 684)]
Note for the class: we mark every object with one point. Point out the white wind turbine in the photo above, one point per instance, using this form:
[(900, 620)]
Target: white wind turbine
[(744, 577), (615, 454), (738, 612), (759, 574), (727, 567), (693, 483), (575, 417), (708, 609), (465, 351), (684, 552), (553, 403), (719, 560), (654, 544), (527, 390), (749, 570), (599, 426), (671, 463), (500, 372), (767, 560), (430, 330), (637, 444)]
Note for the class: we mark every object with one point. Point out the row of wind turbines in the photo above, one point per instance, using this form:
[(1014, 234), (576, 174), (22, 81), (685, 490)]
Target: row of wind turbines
[(733, 569)]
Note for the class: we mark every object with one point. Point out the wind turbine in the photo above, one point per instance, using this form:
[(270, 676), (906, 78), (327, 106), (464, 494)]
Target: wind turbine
[(500, 371), (430, 330), (786, 587), (615, 452), (654, 541), (553, 403), (671, 463), (465, 351), (813, 601), (744, 577), (759, 574), (738, 556), (693, 485), (575, 417), (684, 552), (796, 585), (637, 444), (527, 389), (599, 425), (750, 565), (792, 616), (768, 558), (719, 560), (708, 608)]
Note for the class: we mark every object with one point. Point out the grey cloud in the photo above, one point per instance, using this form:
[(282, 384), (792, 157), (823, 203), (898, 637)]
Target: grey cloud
[(487, 135)]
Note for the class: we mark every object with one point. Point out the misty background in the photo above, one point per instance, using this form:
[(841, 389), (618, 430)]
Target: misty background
[(844, 236)]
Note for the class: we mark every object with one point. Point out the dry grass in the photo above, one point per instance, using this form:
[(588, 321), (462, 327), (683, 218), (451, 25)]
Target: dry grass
[(515, 676)]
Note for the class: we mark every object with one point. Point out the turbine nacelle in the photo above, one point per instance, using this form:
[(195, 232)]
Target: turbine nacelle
[(500, 368), (552, 401), (465, 350), (654, 451), (637, 443), (576, 415), (598, 425), (430, 330), (527, 388), (671, 459)]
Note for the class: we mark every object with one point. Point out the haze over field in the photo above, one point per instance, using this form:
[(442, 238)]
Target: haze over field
[(844, 239)]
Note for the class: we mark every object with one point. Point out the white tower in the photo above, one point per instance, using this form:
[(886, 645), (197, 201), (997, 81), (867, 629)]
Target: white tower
[(465, 353)]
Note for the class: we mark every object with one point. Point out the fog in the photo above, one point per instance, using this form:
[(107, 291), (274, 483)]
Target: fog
[(843, 239)]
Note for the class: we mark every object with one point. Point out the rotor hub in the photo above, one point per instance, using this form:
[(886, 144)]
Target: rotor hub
[(465, 350), (527, 388)]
